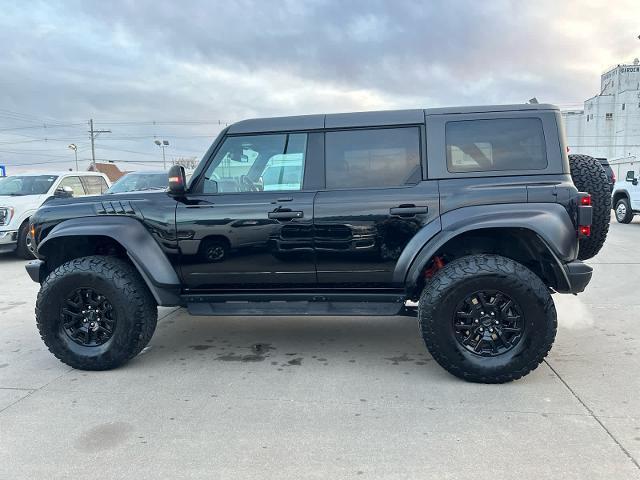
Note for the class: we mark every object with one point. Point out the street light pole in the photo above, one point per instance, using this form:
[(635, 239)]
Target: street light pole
[(74, 147), (162, 144)]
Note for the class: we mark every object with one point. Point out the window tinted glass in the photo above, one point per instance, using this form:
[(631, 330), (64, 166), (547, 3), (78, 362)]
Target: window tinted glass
[(372, 158), (500, 144), (95, 185), (256, 163), (75, 185)]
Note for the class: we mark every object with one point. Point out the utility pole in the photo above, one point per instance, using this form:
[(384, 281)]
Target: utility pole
[(94, 134)]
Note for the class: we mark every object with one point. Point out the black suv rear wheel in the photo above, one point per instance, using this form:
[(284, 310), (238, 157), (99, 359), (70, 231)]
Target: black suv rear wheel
[(95, 313), (487, 319)]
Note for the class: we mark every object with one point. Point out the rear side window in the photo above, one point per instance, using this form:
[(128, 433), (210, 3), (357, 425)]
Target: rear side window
[(95, 185), (494, 145), (384, 157)]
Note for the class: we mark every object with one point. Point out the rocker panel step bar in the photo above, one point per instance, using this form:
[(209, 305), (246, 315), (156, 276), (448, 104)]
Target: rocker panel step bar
[(351, 304)]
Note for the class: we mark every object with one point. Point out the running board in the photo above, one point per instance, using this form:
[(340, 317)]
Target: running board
[(296, 304)]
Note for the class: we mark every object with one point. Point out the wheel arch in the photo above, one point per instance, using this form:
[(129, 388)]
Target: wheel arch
[(618, 195), (541, 236), (125, 237)]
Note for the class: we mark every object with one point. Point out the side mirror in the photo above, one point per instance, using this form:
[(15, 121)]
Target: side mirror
[(631, 176), (63, 192), (177, 181)]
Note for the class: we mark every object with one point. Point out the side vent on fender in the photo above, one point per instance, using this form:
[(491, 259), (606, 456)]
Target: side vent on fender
[(115, 208)]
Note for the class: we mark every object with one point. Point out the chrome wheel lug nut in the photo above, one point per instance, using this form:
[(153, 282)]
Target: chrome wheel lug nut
[(497, 322), (476, 321), (481, 329), (492, 314)]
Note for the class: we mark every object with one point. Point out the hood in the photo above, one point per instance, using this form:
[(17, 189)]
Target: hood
[(105, 197), (22, 203)]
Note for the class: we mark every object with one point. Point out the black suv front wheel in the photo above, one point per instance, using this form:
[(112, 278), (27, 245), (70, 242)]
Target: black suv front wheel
[(95, 313), (487, 319)]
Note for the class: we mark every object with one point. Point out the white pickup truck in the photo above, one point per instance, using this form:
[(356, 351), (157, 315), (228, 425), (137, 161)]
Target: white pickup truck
[(626, 193), (21, 195)]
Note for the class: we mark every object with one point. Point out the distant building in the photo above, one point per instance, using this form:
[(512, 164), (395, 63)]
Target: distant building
[(109, 169), (609, 124)]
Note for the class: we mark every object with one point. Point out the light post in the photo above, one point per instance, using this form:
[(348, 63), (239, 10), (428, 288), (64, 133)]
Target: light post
[(162, 144), (74, 147)]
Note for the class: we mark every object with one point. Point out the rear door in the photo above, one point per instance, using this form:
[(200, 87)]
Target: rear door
[(374, 203), (247, 223)]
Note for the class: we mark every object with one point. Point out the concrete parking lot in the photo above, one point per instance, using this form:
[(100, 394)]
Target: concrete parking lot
[(285, 397)]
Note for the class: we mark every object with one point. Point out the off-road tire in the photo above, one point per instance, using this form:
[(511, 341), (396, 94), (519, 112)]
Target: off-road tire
[(134, 306), (628, 214), (466, 275), (22, 249), (589, 176)]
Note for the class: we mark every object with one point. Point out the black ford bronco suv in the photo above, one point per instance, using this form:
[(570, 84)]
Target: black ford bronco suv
[(472, 212)]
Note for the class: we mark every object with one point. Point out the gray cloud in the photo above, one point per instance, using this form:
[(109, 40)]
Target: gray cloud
[(203, 60)]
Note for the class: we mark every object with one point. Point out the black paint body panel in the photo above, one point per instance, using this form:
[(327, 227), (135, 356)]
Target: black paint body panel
[(357, 240)]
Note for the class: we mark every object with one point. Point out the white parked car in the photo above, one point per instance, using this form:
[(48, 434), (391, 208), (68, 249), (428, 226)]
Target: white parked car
[(22, 195), (626, 195)]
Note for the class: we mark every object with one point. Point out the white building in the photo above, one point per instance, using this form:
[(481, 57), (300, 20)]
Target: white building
[(609, 125)]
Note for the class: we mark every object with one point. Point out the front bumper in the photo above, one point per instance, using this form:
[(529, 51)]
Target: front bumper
[(34, 268), (8, 241), (577, 276)]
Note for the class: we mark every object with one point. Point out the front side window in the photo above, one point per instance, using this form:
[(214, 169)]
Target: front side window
[(74, 184), (495, 145), (256, 163), (383, 157)]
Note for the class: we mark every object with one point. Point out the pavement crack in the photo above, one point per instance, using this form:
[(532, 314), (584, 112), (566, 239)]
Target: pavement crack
[(594, 416)]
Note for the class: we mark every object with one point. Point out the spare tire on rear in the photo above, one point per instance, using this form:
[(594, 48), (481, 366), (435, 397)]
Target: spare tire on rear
[(589, 176)]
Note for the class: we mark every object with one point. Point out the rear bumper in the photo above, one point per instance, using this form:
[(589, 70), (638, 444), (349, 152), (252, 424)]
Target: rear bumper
[(33, 269), (577, 276)]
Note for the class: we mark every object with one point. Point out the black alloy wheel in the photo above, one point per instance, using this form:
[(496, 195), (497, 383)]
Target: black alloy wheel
[(88, 318), (488, 323)]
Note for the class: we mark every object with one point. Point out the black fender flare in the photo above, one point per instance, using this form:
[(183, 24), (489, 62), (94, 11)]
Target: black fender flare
[(144, 252), (550, 221)]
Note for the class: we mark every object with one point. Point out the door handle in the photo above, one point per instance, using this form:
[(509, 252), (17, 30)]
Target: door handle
[(285, 215), (408, 210)]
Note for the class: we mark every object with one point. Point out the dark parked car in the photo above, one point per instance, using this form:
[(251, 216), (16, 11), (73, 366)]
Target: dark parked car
[(140, 182), (470, 211), (611, 177)]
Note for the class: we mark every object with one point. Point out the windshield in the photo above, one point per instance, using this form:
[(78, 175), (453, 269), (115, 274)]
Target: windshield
[(26, 185), (136, 182)]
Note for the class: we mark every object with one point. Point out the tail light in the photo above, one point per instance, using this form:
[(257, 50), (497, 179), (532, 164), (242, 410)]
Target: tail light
[(613, 177), (585, 215)]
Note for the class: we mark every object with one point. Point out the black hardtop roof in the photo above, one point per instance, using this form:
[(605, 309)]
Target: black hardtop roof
[(366, 119)]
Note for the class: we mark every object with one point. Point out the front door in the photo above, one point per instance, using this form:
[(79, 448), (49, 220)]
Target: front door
[(374, 203), (247, 223)]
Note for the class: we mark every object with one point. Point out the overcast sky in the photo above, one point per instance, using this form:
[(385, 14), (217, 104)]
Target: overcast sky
[(187, 65)]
